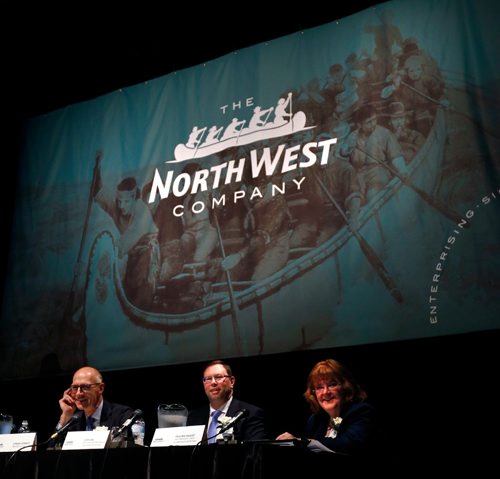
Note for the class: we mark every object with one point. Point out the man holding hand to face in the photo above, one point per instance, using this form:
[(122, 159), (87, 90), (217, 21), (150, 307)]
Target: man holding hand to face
[(86, 394)]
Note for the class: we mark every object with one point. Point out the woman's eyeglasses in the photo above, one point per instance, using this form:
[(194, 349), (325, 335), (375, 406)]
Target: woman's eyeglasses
[(324, 387)]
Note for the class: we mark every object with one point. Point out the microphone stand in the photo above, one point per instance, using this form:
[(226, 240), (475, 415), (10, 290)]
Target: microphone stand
[(240, 415)]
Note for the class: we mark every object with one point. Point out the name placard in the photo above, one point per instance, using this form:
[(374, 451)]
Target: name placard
[(177, 436), (86, 440), (13, 442)]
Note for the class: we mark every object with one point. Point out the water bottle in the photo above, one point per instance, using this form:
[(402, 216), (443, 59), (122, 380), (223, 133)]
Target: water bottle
[(24, 426), (138, 429)]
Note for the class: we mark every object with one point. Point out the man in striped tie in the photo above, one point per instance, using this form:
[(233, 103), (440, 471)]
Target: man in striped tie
[(218, 382)]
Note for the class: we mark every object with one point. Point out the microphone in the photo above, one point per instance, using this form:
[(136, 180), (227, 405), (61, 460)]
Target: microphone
[(74, 419), (239, 416), (137, 413)]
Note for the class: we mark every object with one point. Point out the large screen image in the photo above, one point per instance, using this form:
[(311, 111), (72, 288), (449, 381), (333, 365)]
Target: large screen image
[(333, 187)]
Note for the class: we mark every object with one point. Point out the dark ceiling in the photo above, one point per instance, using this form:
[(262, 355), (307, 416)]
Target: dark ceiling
[(60, 59)]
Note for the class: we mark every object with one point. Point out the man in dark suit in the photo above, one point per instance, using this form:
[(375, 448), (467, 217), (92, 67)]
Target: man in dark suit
[(86, 394), (218, 382)]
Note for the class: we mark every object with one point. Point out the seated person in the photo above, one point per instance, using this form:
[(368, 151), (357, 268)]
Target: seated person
[(341, 420), (86, 394), (218, 382)]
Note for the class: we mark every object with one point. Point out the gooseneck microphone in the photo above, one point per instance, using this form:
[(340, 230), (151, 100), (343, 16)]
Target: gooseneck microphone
[(137, 414), (238, 417), (74, 419)]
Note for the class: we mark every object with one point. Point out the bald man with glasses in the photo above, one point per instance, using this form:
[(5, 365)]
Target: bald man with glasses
[(218, 383), (86, 394)]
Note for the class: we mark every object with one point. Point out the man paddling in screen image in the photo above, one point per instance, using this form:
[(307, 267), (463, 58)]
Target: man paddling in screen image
[(218, 382), (86, 394)]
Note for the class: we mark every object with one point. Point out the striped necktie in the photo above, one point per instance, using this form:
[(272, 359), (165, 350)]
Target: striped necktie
[(212, 429), (90, 424)]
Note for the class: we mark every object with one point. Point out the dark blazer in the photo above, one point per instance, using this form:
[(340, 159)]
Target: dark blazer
[(357, 433), (249, 428), (112, 414)]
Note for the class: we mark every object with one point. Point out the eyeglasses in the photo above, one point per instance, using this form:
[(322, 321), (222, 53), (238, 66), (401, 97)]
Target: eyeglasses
[(83, 387), (218, 379), (323, 387)]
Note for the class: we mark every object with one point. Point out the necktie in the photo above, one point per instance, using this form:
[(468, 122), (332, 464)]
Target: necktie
[(212, 429), (90, 424)]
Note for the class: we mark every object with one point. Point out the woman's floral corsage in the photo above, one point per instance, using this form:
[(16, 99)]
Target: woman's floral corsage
[(333, 427), (335, 422)]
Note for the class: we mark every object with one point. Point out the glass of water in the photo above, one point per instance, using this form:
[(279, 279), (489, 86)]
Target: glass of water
[(6, 423)]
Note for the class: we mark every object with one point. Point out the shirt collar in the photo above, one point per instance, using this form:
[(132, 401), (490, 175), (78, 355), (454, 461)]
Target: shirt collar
[(97, 414), (223, 409)]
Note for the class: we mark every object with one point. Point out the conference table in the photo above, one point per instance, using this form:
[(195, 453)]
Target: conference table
[(220, 461)]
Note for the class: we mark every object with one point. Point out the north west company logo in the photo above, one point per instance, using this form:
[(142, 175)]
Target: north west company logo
[(264, 124), (252, 173)]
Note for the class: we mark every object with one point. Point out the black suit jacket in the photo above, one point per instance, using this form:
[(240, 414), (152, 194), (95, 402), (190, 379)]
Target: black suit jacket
[(357, 433), (112, 414), (252, 427)]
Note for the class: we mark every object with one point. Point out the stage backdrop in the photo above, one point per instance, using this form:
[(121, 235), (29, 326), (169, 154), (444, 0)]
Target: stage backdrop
[(334, 187)]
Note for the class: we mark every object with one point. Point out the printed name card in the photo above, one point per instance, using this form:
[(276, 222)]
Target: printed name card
[(13, 442), (177, 436), (86, 440)]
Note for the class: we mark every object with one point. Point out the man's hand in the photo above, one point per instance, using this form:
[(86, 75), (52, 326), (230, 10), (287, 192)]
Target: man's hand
[(68, 407)]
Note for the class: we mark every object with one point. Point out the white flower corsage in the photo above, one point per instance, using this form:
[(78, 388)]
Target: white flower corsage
[(224, 421), (335, 422), (333, 427)]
